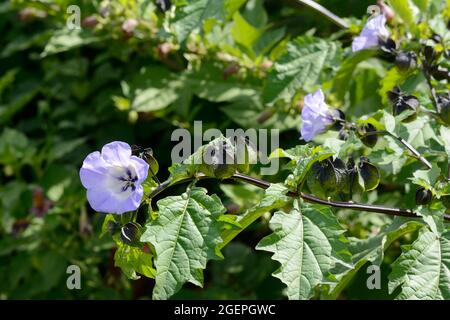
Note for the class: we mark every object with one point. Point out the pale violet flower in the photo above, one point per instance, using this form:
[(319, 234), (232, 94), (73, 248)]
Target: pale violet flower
[(316, 115), (113, 178), (372, 34)]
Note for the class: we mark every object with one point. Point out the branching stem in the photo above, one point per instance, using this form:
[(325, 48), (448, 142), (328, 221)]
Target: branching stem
[(405, 143), (305, 196), (325, 12)]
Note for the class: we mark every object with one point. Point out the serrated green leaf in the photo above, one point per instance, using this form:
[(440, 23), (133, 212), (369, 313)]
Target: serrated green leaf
[(423, 268), (300, 68), (304, 242), (185, 236)]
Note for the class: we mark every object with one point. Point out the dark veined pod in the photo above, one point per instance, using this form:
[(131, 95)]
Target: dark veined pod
[(402, 102), (327, 177), (406, 61), (423, 196), (163, 5), (131, 233), (444, 109), (387, 50), (321, 178), (366, 135), (369, 174), (339, 119), (440, 73), (430, 54)]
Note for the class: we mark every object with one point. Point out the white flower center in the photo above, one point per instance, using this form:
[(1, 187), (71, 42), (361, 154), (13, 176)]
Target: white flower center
[(121, 181)]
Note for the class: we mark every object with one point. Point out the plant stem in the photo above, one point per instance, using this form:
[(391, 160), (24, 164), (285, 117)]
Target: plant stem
[(405, 143), (325, 12), (305, 196)]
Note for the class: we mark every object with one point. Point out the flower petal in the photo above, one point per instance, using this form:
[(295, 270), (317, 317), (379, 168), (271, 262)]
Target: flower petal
[(93, 171), (131, 203), (365, 42), (117, 152), (102, 201), (141, 168)]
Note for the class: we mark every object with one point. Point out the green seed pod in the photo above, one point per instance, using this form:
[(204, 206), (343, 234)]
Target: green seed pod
[(423, 196), (321, 178), (131, 233), (368, 139), (219, 160), (369, 174)]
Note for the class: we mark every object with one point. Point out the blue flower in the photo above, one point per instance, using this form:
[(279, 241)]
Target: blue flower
[(372, 34), (316, 115), (113, 178)]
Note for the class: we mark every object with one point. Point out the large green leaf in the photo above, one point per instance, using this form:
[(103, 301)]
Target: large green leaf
[(300, 67), (192, 16), (185, 235), (307, 243), (67, 39), (155, 88), (423, 268)]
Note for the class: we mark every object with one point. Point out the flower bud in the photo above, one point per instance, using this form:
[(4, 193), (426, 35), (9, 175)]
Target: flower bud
[(406, 61), (364, 132), (423, 196), (231, 69), (128, 27), (89, 22), (29, 14), (130, 234), (386, 10)]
